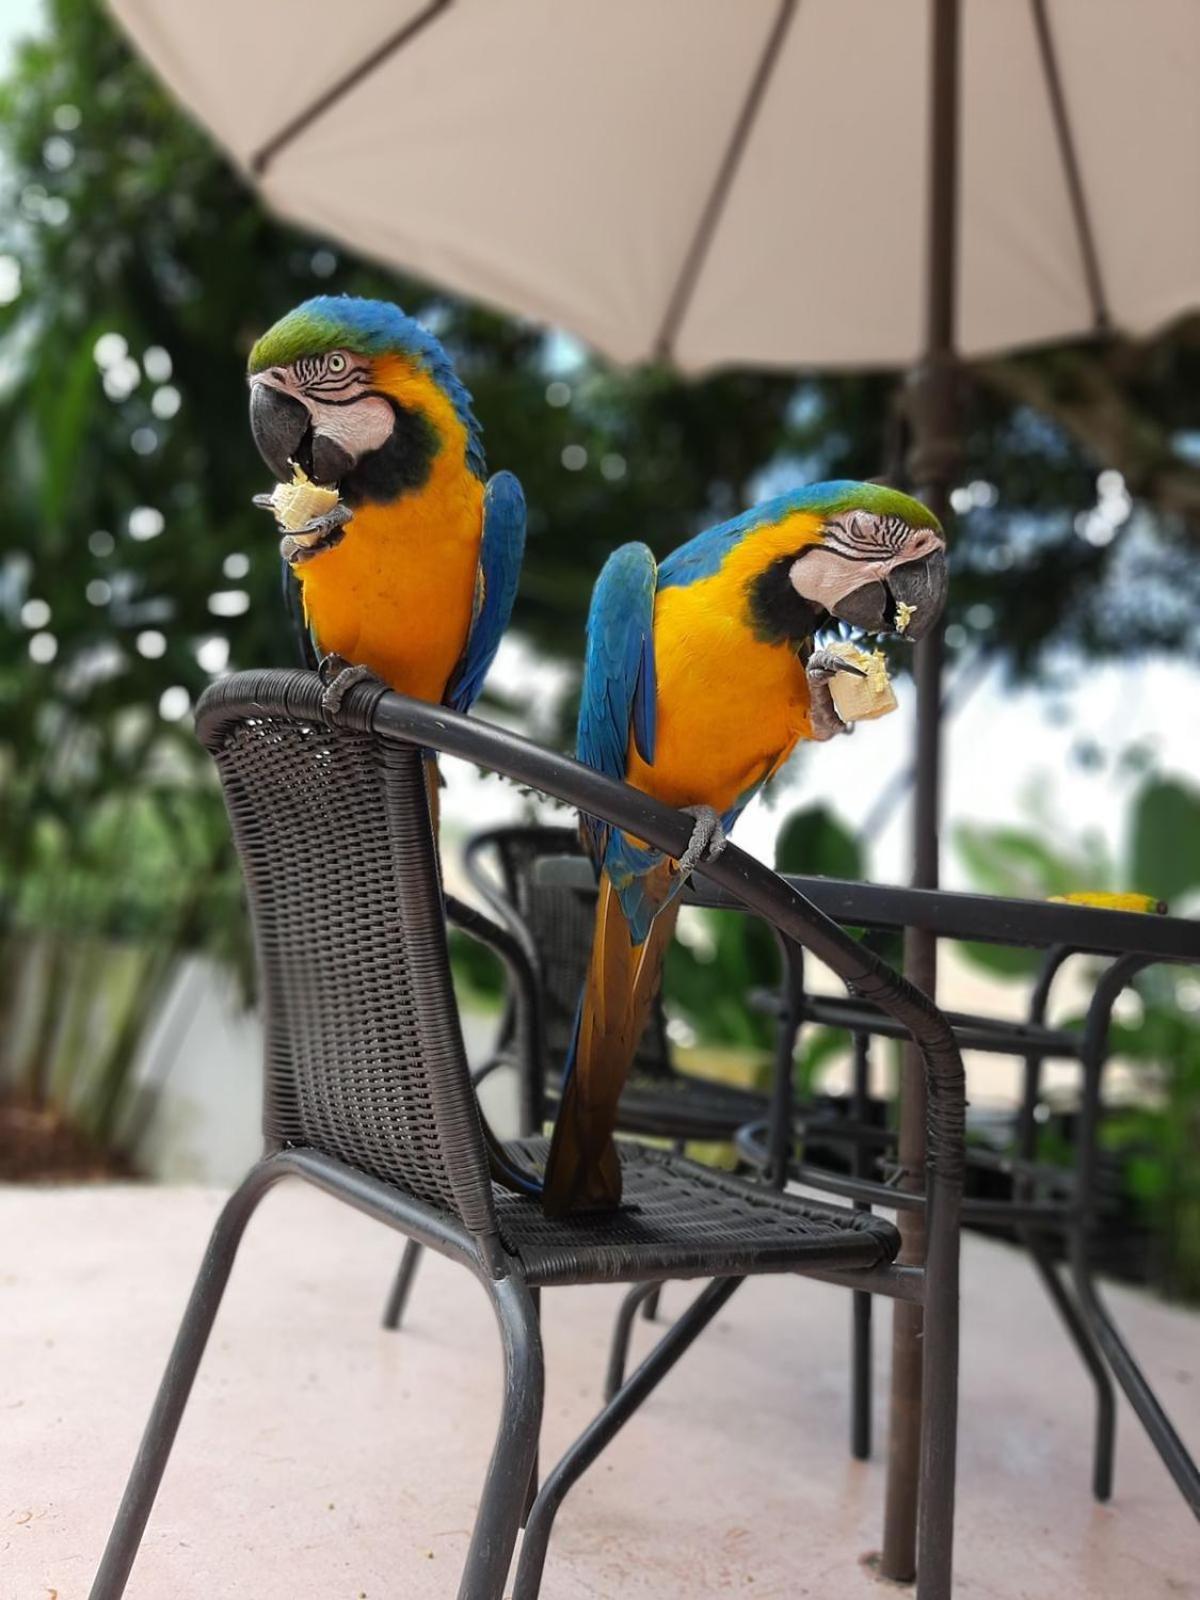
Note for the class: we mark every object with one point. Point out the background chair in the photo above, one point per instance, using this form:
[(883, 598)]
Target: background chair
[(1054, 1212), (555, 927), (551, 927), (367, 1096)]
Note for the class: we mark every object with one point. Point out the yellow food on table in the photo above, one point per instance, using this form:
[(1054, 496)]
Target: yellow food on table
[(300, 501), (861, 699), (1112, 902)]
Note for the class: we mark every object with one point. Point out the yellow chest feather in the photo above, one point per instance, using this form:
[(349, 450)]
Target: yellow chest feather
[(730, 708), (397, 593)]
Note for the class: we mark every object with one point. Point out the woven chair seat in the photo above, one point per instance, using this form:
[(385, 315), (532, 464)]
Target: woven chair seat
[(672, 1105), (681, 1220)]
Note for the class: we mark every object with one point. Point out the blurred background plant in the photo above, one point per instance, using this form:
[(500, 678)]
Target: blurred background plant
[(1153, 1132), (136, 269)]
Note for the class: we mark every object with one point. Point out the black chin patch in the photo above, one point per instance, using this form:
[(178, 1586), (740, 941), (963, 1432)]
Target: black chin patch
[(401, 465), (778, 614)]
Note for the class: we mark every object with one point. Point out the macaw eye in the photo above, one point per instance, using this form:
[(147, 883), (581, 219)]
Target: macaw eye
[(337, 363)]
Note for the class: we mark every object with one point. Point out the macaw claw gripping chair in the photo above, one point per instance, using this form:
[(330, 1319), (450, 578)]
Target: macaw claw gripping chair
[(367, 1097)]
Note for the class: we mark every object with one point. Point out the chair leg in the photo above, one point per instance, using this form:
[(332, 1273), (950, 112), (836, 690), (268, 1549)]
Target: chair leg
[(402, 1284), (860, 1339), (650, 1303), (860, 1396), (515, 1452), (1171, 1448), (604, 1427), (531, 1493), (176, 1385), (939, 1385), (1172, 1451), (1089, 1354), (618, 1350)]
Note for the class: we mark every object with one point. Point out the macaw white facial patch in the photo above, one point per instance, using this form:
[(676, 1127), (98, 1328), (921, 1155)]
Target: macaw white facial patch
[(857, 549), (358, 427)]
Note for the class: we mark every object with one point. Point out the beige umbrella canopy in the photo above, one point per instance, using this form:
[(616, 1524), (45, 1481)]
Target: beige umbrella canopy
[(721, 183)]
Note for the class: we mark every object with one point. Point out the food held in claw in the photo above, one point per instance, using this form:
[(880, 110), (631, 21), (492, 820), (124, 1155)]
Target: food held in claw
[(861, 699), (300, 501)]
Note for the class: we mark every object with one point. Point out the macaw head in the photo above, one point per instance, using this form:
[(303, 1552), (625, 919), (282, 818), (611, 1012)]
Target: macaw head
[(854, 553), (361, 398)]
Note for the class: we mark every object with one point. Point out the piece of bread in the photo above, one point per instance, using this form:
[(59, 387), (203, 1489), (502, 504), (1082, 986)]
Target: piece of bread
[(300, 501), (861, 699)]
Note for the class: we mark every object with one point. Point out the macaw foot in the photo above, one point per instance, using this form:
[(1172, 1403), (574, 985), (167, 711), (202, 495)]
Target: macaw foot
[(311, 538), (338, 676), (707, 841), (821, 668)]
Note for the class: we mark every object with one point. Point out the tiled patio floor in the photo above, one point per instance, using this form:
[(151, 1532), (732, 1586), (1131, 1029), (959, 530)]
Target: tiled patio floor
[(323, 1459)]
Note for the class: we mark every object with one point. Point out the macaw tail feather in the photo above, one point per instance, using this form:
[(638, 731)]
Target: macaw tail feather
[(583, 1171)]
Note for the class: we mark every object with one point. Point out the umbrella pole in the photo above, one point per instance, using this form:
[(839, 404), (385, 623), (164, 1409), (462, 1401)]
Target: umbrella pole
[(933, 412)]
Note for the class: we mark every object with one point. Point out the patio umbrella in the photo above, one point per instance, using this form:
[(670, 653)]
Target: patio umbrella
[(779, 182), (721, 183)]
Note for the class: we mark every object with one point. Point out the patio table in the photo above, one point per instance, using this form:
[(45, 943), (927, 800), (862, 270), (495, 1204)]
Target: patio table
[(1045, 1201)]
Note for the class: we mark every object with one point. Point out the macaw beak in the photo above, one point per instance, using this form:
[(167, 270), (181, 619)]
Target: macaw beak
[(283, 432), (279, 425), (920, 584)]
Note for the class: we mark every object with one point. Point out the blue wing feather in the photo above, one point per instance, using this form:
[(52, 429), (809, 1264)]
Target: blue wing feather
[(619, 691), (500, 552)]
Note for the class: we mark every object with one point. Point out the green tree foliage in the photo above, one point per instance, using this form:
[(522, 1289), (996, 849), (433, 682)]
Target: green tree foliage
[(136, 268)]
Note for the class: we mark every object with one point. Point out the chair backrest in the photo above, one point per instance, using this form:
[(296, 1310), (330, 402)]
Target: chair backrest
[(364, 1053), (560, 924)]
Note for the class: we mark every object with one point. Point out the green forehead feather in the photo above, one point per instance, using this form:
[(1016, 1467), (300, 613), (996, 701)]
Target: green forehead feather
[(833, 499), (301, 333)]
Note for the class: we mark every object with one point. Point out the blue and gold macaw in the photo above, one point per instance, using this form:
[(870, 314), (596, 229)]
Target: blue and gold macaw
[(412, 575), (699, 678)]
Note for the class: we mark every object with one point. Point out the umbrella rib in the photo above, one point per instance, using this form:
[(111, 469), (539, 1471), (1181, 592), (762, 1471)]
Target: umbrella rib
[(1071, 170), (693, 262), (328, 98)]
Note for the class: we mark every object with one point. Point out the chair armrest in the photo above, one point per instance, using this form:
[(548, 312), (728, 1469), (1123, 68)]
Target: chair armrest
[(746, 881)]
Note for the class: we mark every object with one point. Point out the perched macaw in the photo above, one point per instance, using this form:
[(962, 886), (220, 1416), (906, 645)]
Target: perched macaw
[(411, 576), (700, 676)]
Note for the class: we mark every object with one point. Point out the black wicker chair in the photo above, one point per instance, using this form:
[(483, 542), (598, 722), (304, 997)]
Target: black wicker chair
[(367, 1097), (550, 927), (555, 926)]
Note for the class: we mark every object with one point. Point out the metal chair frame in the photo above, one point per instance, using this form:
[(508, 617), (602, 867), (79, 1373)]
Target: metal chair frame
[(462, 1221), (1049, 1206)]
